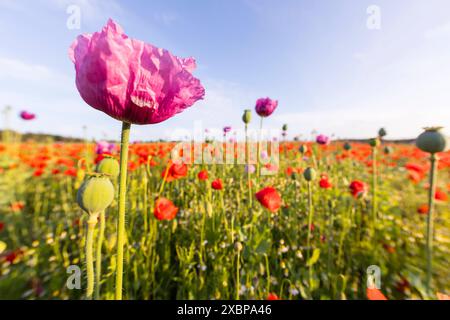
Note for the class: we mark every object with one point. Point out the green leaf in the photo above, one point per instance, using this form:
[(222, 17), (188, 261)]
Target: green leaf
[(263, 247)]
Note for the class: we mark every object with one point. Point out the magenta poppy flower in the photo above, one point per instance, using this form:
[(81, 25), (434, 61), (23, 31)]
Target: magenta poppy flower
[(25, 115), (130, 80), (226, 129), (265, 106), (103, 147), (322, 139), (249, 168)]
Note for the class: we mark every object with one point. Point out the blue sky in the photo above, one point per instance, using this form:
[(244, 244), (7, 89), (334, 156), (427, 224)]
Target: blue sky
[(328, 70)]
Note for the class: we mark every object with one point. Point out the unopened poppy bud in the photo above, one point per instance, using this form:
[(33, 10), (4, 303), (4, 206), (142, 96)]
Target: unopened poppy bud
[(109, 166), (95, 194), (247, 117), (238, 246), (432, 140), (387, 150), (285, 127), (347, 146), (382, 132), (303, 149), (375, 142), (309, 174)]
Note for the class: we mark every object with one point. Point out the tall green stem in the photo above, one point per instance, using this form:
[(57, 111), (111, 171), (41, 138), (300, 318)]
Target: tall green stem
[(374, 186), (310, 219), (98, 258), (247, 153), (89, 254), (238, 278), (432, 191), (259, 148), (122, 198)]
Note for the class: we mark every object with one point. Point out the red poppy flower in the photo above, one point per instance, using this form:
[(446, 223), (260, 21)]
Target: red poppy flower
[(38, 172), (217, 184), (415, 167), (375, 294), (415, 177), (269, 198), (324, 183), (71, 172), (388, 248), (2, 226), (17, 206), (272, 296), (174, 172), (423, 209), (13, 255), (203, 175), (358, 188), (290, 171), (165, 209), (101, 156), (440, 195)]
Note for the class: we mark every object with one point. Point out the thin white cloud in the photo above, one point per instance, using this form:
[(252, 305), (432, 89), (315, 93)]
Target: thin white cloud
[(13, 68), (166, 18), (439, 32)]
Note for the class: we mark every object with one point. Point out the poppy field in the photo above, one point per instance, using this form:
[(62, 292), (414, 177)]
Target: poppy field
[(212, 239), (292, 219)]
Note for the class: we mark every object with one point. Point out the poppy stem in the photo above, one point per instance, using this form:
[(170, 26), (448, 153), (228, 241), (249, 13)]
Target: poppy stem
[(98, 258), (433, 177), (125, 138), (89, 255), (166, 174), (247, 153), (259, 148), (310, 218), (374, 186), (238, 278)]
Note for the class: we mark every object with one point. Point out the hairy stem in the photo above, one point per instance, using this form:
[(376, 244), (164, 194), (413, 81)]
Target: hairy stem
[(98, 258), (125, 137)]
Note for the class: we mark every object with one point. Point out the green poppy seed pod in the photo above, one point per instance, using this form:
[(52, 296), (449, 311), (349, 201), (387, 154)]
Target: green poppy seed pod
[(95, 194), (382, 132), (347, 146), (432, 140), (285, 127), (309, 174), (247, 116), (303, 149), (375, 142), (238, 246), (109, 166), (387, 150)]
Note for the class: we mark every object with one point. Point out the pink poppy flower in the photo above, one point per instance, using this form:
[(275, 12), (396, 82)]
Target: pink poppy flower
[(265, 106), (322, 139), (130, 80), (25, 115)]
